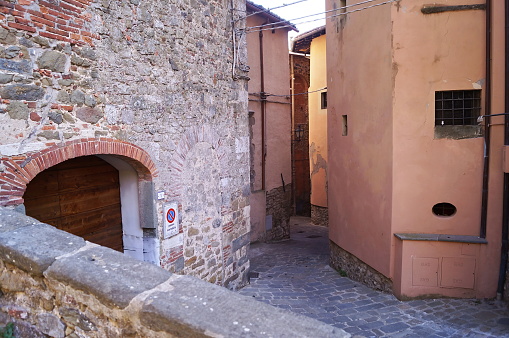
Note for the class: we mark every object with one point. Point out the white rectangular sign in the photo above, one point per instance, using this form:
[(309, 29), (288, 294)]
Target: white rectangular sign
[(170, 220)]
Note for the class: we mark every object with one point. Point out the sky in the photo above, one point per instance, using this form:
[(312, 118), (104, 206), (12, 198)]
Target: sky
[(298, 10)]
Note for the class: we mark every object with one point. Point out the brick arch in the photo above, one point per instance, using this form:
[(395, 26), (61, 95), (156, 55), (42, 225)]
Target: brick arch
[(17, 171)]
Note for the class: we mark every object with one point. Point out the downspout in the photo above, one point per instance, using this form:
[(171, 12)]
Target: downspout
[(263, 104), (292, 124), (487, 131), (505, 217)]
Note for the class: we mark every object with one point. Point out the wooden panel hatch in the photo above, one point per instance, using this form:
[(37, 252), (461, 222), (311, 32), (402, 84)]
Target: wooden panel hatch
[(80, 196)]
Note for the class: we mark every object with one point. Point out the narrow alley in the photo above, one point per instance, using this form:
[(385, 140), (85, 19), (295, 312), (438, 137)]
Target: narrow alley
[(295, 275)]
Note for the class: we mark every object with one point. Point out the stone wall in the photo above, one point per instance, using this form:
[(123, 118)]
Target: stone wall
[(350, 266), (55, 284), (279, 210), (320, 215), (152, 83)]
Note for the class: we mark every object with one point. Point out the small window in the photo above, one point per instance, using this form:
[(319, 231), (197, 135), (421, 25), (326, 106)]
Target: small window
[(323, 101), (342, 4), (444, 209), (457, 107)]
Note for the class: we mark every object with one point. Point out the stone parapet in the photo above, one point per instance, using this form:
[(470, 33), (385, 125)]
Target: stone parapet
[(352, 267), (56, 284)]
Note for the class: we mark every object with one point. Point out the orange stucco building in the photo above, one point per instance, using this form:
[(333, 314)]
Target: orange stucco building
[(270, 124), (314, 44), (415, 181)]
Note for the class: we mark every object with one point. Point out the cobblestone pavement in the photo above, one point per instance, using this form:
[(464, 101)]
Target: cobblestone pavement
[(295, 275)]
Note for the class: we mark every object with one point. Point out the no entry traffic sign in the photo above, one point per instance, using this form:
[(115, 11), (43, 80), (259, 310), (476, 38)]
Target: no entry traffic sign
[(171, 220)]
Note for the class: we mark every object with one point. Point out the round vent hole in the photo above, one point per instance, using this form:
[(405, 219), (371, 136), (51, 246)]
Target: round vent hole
[(444, 209)]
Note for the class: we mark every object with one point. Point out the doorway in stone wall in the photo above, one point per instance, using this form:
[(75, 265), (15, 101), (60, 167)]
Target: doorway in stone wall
[(80, 196)]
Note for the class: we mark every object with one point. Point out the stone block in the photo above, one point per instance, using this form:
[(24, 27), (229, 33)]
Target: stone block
[(56, 117), (52, 60), (23, 66), (22, 92), (90, 115), (12, 220), (196, 308), (76, 318), (50, 324), (7, 37), (113, 278), (17, 110), (34, 248), (6, 78), (240, 242)]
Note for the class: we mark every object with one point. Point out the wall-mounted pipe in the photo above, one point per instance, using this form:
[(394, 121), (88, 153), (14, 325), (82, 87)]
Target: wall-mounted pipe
[(505, 217), (487, 130), (263, 105), (292, 124)]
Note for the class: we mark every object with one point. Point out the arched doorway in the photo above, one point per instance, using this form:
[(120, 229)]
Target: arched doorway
[(80, 196)]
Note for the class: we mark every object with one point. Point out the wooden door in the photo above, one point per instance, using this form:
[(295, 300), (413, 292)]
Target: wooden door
[(80, 196)]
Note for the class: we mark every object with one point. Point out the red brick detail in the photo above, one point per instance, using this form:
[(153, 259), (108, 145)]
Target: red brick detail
[(20, 170), (62, 20), (22, 27)]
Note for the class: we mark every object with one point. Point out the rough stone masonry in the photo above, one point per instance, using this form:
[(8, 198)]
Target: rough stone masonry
[(157, 85)]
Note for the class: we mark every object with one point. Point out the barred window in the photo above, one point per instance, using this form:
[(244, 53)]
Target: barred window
[(457, 107)]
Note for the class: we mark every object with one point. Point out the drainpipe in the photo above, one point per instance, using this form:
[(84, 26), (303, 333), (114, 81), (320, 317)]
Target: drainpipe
[(487, 131), (263, 104), (292, 124), (505, 218)]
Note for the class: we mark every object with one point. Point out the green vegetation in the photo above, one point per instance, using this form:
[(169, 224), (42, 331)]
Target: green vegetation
[(7, 331), (342, 273)]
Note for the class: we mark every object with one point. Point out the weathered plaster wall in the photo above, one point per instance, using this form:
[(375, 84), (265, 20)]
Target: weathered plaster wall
[(400, 165), (277, 130), (154, 75), (318, 123), (360, 86), (452, 169)]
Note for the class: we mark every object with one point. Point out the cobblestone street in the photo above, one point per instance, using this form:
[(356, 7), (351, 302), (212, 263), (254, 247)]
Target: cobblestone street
[(295, 275)]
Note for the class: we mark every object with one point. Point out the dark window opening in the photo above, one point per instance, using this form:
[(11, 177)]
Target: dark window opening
[(444, 209), (342, 4), (323, 100), (457, 107)]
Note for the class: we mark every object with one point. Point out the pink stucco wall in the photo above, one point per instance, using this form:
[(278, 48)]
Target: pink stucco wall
[(360, 164), (277, 119), (386, 175)]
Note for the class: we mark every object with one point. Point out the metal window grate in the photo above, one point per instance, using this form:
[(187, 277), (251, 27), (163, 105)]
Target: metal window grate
[(457, 107)]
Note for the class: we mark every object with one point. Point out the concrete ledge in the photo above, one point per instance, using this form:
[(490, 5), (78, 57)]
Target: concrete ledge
[(113, 278), (442, 238), (33, 248), (210, 310), (56, 283)]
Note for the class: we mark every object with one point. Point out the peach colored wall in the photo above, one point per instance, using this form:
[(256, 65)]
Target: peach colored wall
[(278, 115), (386, 175), (452, 169), (360, 86), (318, 123)]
